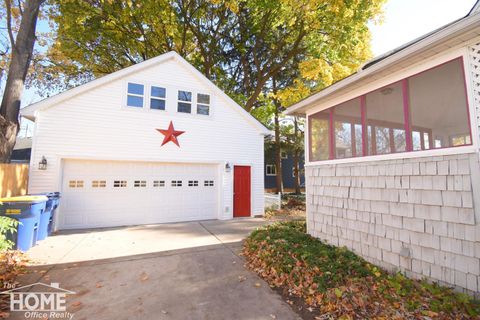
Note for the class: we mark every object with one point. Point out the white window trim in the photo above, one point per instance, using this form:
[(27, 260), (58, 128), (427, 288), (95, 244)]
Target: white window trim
[(274, 168), (150, 97), (283, 153), (144, 96), (203, 104), (185, 101)]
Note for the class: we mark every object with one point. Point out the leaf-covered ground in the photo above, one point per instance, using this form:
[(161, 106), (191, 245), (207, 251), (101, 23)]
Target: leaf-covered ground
[(12, 264), (335, 283)]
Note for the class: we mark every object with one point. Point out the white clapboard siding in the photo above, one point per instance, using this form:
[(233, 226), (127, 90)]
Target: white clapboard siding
[(96, 125)]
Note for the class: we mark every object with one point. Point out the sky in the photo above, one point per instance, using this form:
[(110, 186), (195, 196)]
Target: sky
[(404, 20)]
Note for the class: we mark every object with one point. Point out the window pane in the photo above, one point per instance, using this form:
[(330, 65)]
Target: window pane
[(400, 140), (358, 140), (348, 124), (184, 107), (184, 96), (203, 98), (319, 141), (386, 122), (438, 106), (157, 104), (202, 109), (135, 88), (158, 92), (416, 140), (134, 101)]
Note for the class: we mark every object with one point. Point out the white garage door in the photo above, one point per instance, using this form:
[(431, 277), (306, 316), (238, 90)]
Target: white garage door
[(108, 193)]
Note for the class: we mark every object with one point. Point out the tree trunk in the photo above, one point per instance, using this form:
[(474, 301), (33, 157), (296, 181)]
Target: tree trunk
[(296, 160), (22, 50)]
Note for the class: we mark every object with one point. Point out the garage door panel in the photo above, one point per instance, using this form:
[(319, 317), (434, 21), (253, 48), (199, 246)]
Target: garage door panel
[(103, 193)]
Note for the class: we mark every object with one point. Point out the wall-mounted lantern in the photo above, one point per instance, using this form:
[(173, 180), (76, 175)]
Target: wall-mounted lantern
[(228, 167), (42, 165)]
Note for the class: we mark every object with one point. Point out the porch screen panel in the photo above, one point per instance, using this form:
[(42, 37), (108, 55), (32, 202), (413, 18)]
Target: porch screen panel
[(438, 107), (386, 120), (319, 136), (348, 129)]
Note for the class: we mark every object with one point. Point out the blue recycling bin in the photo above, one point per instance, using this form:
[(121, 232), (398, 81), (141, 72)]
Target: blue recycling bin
[(48, 216), (45, 217), (27, 210)]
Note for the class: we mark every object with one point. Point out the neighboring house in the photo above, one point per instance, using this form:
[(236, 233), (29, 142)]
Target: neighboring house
[(22, 150), (288, 176), (392, 158), (155, 142)]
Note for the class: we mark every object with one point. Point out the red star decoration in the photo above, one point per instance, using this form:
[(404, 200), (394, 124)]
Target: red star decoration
[(170, 134)]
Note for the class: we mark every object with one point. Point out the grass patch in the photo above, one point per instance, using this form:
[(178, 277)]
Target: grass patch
[(338, 284)]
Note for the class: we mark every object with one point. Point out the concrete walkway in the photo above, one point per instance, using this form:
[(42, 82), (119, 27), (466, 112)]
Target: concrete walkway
[(169, 271)]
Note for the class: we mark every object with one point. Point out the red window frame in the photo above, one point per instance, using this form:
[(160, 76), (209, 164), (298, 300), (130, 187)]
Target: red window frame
[(406, 113)]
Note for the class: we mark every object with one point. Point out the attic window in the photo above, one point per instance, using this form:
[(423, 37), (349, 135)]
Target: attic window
[(157, 98), (203, 104), (184, 101), (135, 94)]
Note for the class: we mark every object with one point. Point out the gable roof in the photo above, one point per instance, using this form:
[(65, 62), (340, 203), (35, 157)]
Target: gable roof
[(465, 29), (30, 110)]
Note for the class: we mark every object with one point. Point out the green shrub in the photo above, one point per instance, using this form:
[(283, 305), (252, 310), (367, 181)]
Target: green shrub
[(7, 225)]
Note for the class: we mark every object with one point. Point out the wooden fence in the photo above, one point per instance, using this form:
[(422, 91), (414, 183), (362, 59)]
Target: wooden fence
[(13, 179)]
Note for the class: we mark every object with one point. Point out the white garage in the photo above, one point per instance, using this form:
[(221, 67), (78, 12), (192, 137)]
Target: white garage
[(155, 142), (116, 193)]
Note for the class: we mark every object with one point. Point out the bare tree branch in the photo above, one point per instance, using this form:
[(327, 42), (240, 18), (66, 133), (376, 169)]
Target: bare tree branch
[(8, 6)]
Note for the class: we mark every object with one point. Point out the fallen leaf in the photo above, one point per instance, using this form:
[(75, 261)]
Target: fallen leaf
[(258, 285), (338, 293), (98, 285), (241, 278), (164, 312), (76, 304), (143, 276), (273, 316)]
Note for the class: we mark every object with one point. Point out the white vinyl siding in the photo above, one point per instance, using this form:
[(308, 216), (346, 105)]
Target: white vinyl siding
[(67, 130)]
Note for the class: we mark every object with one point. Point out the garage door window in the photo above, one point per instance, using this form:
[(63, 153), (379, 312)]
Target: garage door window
[(140, 183), (158, 183), (184, 101), (176, 183), (75, 183), (193, 183), (208, 183), (135, 95), (119, 183), (99, 184)]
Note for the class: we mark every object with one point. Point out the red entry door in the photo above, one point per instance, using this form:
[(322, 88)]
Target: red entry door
[(241, 191)]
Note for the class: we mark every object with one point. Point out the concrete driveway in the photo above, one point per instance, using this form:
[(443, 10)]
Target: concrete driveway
[(169, 271)]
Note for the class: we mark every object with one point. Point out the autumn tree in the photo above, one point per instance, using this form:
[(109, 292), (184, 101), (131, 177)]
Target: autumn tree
[(239, 44), (21, 38)]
